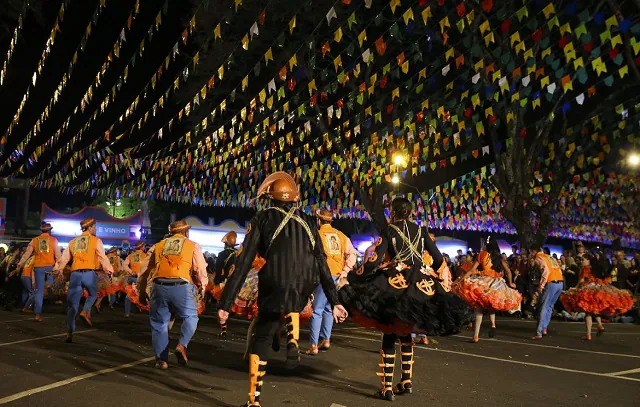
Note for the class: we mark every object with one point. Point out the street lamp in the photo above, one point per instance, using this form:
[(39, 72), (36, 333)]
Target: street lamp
[(633, 160), (399, 159), (395, 180)]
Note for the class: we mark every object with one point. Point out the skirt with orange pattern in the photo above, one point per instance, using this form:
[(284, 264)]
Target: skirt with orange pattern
[(597, 299), (487, 293)]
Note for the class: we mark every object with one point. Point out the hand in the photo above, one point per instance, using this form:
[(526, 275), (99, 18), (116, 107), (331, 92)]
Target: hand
[(143, 297), (223, 316), (344, 274), (512, 285), (339, 314), (539, 290)]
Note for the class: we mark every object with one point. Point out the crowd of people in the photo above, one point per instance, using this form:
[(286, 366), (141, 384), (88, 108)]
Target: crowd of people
[(293, 266)]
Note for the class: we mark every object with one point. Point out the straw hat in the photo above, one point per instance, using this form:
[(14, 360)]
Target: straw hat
[(279, 186), (230, 238)]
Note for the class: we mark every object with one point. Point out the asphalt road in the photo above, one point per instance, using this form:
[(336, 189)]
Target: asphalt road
[(112, 363)]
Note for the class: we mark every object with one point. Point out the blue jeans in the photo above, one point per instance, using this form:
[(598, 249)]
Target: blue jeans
[(551, 294), (80, 280), (127, 301), (40, 274), (27, 292), (181, 299), (322, 318)]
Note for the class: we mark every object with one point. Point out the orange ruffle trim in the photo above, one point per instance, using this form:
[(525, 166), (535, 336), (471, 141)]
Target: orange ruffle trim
[(487, 293), (597, 299)]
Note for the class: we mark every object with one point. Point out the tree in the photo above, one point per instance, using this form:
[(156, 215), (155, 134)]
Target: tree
[(539, 147), (118, 208)]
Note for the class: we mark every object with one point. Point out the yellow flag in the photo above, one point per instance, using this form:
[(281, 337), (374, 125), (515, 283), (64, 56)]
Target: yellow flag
[(338, 35), (292, 24), (408, 16), (268, 56)]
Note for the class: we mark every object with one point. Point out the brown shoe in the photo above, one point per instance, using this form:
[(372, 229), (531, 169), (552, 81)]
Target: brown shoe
[(325, 345), (87, 318), (162, 365), (312, 351), (181, 355), (38, 318), (27, 310)]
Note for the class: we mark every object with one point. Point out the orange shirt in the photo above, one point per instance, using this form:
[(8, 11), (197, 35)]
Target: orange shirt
[(27, 270)]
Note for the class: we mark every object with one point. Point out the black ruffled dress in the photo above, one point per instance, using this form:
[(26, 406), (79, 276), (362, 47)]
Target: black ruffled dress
[(397, 292)]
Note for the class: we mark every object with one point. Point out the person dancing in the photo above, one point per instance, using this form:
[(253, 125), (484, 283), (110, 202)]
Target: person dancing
[(341, 257), (551, 286), (224, 262), (295, 262), (395, 292), (86, 254), (486, 290), (178, 271), (46, 253), (132, 266), (595, 296)]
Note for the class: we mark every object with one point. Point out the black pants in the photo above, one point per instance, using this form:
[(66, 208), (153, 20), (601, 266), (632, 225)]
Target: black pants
[(389, 342), (267, 324)]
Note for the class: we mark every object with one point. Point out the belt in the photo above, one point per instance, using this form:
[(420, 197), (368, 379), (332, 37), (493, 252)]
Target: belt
[(81, 271), (555, 282), (181, 282)]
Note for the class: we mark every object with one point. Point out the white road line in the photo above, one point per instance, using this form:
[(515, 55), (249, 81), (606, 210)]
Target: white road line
[(20, 320), (608, 332), (624, 372), (336, 405), (562, 369), (43, 337), (623, 355), (61, 383)]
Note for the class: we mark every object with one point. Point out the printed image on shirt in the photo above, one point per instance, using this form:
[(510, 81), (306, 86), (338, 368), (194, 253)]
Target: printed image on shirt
[(43, 245), (112, 260), (173, 246), (136, 258), (333, 243), (81, 244)]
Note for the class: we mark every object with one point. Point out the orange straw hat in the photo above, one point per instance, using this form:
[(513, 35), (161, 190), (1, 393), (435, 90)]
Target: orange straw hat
[(179, 226), (87, 223), (324, 214)]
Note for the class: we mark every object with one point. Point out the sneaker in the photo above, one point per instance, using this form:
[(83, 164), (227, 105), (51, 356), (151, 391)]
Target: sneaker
[(162, 365), (38, 318), (536, 337), (325, 345), (27, 310)]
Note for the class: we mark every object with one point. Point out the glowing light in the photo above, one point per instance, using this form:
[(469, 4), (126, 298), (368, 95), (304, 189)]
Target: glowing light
[(399, 159), (395, 179), (210, 239), (633, 160)]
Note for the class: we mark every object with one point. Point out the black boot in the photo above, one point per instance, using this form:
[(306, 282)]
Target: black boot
[(293, 334), (406, 354), (387, 363)]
